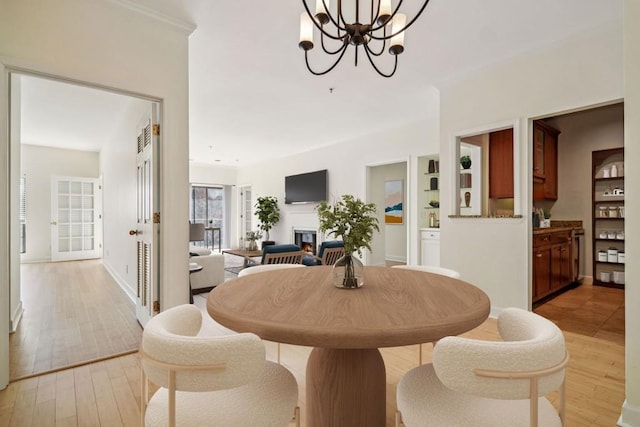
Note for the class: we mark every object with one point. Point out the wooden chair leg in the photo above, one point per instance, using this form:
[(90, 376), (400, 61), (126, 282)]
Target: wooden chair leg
[(419, 354), (296, 416), (399, 422), (278, 356)]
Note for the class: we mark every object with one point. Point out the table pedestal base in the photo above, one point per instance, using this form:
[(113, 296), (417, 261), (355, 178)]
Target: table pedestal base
[(345, 388)]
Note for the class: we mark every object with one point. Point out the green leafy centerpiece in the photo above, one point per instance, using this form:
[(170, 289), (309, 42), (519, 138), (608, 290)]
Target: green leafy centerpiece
[(354, 222)]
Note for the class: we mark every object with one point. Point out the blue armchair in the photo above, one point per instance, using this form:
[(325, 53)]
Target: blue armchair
[(330, 251), (279, 254)]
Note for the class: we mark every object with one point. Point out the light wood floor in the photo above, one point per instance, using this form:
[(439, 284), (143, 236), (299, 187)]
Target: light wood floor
[(108, 393), (73, 312)]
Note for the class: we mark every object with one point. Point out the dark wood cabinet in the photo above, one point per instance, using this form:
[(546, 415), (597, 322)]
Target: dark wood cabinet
[(501, 164), (541, 272), (552, 263), (545, 161)]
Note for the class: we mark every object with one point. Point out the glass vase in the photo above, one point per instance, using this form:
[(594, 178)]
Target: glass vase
[(348, 272)]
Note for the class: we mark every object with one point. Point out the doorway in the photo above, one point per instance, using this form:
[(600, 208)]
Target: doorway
[(387, 189), (583, 306), (68, 129)]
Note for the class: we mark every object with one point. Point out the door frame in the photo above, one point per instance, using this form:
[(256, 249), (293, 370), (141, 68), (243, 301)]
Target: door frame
[(409, 218), (7, 251)]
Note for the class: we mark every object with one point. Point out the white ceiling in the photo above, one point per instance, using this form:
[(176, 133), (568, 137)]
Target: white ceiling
[(251, 97)]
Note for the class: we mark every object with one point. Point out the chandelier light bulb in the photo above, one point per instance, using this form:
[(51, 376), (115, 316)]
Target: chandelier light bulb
[(322, 13), (306, 32), (385, 12), (397, 41)]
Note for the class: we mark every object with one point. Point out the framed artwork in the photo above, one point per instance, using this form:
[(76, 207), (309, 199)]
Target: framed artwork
[(393, 202)]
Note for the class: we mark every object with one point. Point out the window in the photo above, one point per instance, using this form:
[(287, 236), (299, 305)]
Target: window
[(23, 214), (207, 207)]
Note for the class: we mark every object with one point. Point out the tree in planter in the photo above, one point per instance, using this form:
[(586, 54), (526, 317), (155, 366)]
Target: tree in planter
[(268, 213), (353, 221)]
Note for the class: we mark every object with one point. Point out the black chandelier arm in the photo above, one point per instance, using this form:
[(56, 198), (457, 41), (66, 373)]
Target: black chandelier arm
[(315, 73), (405, 27), (395, 65), (319, 27), (327, 51), (384, 43)]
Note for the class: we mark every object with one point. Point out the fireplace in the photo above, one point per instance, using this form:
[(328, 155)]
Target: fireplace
[(306, 235)]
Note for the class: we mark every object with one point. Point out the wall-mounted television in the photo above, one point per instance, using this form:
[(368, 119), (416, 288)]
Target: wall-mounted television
[(308, 187)]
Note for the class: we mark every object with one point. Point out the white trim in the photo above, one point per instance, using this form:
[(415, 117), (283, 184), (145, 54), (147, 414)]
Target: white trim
[(15, 318), (395, 258), (121, 282), (630, 416), (184, 27)]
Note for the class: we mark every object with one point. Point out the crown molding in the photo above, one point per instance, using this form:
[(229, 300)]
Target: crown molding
[(184, 27)]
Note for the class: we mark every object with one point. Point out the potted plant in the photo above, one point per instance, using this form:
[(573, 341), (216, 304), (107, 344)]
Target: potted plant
[(354, 222), (252, 236), (268, 214), (465, 161)]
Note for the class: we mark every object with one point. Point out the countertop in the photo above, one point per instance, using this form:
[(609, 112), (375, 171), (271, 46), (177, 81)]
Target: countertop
[(558, 226)]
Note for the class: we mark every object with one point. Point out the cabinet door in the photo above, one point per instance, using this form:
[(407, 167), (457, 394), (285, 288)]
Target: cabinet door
[(430, 252), (560, 266), (501, 164), (550, 165), (541, 272), (538, 152)]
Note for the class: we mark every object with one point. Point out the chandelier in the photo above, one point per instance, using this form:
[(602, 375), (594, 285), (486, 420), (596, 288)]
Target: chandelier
[(382, 27)]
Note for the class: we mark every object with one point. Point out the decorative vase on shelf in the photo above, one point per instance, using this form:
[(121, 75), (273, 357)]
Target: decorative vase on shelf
[(467, 198), (465, 162), (348, 272)]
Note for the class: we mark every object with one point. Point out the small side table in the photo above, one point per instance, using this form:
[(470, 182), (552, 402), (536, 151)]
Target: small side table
[(193, 268), (213, 231)]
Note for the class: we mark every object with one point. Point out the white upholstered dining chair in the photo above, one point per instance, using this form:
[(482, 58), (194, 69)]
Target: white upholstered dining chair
[(429, 269), (489, 383), (268, 267), (214, 381)]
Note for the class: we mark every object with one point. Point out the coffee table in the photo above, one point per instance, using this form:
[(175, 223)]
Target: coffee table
[(345, 372), (244, 254)]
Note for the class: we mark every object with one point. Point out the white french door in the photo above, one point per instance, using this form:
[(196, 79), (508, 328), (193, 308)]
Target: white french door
[(76, 218), (246, 213), (148, 218)]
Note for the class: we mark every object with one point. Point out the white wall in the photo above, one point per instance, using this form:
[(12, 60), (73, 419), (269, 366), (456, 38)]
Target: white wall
[(494, 254), (141, 55), (631, 408), (118, 172), (39, 164), (391, 243), (346, 164)]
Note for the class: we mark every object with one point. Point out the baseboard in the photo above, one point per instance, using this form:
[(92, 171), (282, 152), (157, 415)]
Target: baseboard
[(393, 258), (121, 282), (15, 318), (35, 261), (630, 416)]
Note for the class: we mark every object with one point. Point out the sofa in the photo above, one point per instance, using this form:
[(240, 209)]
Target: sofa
[(212, 273)]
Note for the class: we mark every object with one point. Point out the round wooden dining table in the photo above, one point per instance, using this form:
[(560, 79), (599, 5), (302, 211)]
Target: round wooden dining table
[(345, 378)]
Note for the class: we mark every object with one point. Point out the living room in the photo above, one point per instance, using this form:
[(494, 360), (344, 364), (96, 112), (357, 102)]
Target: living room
[(541, 84)]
